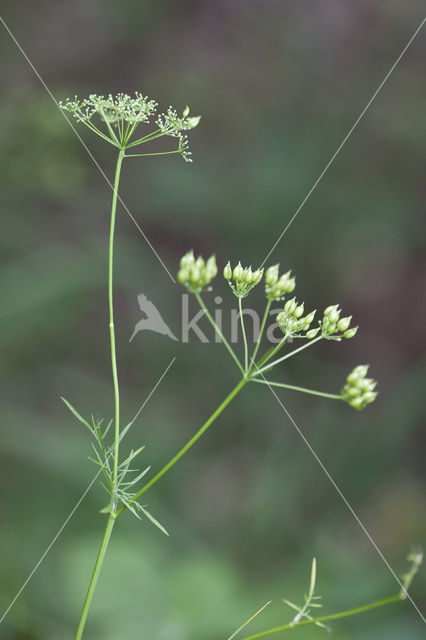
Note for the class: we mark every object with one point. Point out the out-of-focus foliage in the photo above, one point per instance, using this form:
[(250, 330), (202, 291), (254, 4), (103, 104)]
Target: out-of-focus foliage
[(278, 86)]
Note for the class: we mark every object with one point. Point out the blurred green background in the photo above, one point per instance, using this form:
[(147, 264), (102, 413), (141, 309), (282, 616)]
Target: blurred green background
[(278, 85)]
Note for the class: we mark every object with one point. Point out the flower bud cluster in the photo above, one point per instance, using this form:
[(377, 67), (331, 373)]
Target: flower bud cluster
[(244, 279), (171, 124), (195, 274), (277, 286), (292, 321), (334, 327), (359, 390)]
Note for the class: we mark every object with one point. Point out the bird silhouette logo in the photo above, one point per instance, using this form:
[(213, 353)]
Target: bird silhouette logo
[(153, 320)]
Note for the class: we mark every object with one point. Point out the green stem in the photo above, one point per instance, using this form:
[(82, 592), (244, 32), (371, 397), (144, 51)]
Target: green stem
[(111, 518), (190, 442), (287, 355), (259, 339), (151, 136), (332, 616), (109, 127), (99, 133), (270, 354), (219, 332), (111, 314), (312, 392), (95, 576), (161, 153), (243, 329)]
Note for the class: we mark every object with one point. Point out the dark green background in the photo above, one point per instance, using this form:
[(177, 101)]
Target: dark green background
[(278, 84)]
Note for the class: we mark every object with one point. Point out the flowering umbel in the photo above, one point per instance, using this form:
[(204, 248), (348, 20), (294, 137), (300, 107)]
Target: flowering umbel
[(122, 114)]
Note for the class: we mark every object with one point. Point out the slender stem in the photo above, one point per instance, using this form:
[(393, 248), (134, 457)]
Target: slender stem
[(151, 136), (243, 329), (98, 132), (259, 339), (161, 153), (312, 392), (131, 131), (109, 127), (190, 442), (127, 132), (111, 314), (219, 332), (276, 348), (332, 616), (270, 354), (287, 355), (95, 576), (112, 515)]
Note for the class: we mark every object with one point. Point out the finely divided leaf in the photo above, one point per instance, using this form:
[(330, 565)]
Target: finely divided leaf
[(77, 415)]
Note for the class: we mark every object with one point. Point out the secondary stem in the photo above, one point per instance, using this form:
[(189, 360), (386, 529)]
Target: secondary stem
[(259, 339), (287, 355), (332, 616), (243, 329), (190, 442), (312, 392), (160, 153), (219, 332)]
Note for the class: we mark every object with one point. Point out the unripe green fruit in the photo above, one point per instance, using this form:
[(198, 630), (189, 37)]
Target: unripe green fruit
[(271, 276), (238, 272), (344, 323), (333, 317), (350, 333)]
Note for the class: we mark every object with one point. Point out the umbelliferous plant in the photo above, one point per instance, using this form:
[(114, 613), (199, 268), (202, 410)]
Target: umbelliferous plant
[(127, 122)]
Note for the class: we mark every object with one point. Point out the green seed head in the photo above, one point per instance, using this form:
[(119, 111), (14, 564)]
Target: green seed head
[(243, 279), (277, 286), (271, 277), (359, 390), (196, 274)]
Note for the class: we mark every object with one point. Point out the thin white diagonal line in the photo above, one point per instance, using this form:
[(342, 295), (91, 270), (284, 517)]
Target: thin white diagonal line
[(80, 500), (50, 545), (152, 391), (95, 162), (355, 515), (346, 138)]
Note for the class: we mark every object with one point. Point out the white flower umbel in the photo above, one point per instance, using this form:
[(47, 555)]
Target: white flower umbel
[(116, 119)]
